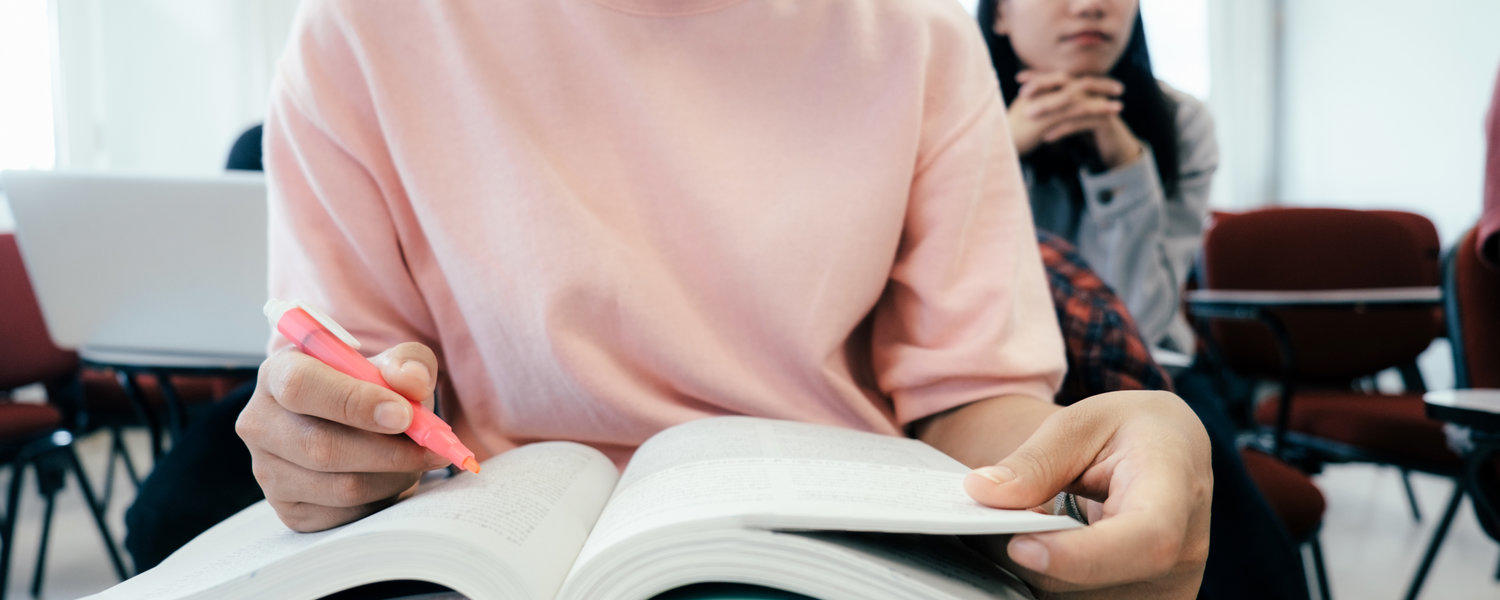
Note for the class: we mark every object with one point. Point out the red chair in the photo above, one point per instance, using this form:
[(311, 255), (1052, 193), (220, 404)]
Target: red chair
[(32, 435), (1296, 500), (1327, 409), (1471, 293), (1082, 303)]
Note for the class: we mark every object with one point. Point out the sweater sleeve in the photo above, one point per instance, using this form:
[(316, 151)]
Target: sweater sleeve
[(966, 314), (331, 238), (1141, 241)]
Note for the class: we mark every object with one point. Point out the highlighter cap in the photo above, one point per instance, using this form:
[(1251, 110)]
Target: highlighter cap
[(275, 308)]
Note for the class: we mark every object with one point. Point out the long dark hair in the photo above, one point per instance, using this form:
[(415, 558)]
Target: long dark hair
[(1148, 112)]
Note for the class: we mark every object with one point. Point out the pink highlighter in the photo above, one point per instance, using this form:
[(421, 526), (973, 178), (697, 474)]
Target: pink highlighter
[(316, 335)]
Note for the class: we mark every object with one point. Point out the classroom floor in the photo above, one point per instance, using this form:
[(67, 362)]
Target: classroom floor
[(1369, 540)]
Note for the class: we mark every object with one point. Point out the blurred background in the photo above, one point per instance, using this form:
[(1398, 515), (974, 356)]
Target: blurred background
[(1362, 104), (1337, 103)]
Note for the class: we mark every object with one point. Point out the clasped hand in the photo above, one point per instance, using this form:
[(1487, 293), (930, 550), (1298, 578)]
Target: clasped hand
[(1052, 106)]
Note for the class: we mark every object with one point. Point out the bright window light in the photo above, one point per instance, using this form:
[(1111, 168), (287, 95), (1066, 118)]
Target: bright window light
[(26, 133), (1177, 34)]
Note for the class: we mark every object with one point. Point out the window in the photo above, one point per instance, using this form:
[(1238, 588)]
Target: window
[(26, 119), (1177, 35)]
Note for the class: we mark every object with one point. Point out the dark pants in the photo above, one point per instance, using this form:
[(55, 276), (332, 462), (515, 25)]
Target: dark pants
[(1250, 554), (206, 478)]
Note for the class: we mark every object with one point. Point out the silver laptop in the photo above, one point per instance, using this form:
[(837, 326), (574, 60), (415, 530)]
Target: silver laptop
[(131, 264)]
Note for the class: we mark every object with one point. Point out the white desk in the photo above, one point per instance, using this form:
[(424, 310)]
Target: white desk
[(168, 360), (1335, 298), (1478, 408)]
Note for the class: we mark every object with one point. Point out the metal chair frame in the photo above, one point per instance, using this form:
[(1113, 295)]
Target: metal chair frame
[(1486, 443), (50, 456)]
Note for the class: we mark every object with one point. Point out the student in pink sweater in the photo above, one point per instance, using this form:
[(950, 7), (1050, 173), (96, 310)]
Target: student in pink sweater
[(591, 220)]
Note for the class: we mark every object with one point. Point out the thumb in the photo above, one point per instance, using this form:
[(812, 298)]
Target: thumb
[(1046, 463), (410, 369)]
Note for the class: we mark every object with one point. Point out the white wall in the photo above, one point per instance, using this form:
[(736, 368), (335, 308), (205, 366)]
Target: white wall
[(1242, 98), (25, 74), (1381, 105), (163, 85)]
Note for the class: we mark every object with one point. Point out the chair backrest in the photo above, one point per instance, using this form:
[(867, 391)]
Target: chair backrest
[(1471, 291), (1324, 248), (27, 355), (1472, 294)]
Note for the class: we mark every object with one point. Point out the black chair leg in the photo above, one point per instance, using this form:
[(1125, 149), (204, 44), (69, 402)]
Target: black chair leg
[(41, 548), (143, 410), (12, 502), (1411, 497), (1319, 571), (108, 490), (97, 511), (51, 472), (1437, 540), (117, 453), (119, 445)]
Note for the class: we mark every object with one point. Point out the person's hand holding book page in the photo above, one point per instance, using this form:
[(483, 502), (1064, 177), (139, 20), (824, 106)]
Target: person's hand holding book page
[(1138, 460), (327, 448)]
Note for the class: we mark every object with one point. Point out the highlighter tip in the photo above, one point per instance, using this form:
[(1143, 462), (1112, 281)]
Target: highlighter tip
[(470, 465)]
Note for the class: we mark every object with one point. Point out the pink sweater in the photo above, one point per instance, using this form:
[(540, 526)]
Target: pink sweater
[(612, 217)]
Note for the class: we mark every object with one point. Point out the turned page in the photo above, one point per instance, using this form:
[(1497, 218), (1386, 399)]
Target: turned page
[(524, 517), (770, 474)]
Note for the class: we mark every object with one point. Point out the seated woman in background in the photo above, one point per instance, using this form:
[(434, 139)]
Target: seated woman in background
[(1119, 164), (1115, 161)]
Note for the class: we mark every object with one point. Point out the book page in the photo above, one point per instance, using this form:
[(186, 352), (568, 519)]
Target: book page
[(531, 508), (939, 563), (519, 523), (817, 564), (770, 474)]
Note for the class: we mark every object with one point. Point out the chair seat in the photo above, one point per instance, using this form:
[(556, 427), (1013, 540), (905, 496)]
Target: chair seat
[(1394, 426), (1290, 492), (20, 422)]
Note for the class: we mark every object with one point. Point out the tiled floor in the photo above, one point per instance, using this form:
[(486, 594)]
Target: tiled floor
[(1369, 540)]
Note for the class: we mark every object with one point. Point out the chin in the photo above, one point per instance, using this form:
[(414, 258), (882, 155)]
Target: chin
[(1089, 68), (1084, 62), (1088, 72)]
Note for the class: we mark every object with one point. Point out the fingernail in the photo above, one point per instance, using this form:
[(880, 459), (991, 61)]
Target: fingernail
[(393, 415), (998, 474), (415, 369), (1029, 553)]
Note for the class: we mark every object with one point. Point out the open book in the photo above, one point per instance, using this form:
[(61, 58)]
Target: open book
[(810, 509)]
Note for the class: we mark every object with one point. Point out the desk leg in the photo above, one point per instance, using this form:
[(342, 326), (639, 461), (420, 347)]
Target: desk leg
[(176, 412), (142, 409), (1288, 378), (1437, 540)]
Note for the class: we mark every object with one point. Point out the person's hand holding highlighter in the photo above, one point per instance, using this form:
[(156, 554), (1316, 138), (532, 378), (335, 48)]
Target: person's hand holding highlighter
[(324, 425)]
